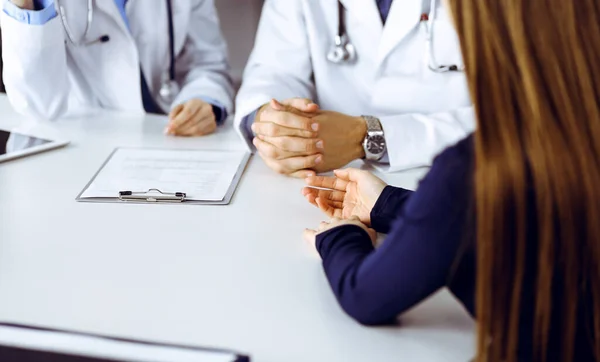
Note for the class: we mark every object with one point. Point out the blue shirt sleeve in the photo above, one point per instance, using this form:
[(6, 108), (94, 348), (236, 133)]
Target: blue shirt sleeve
[(218, 109), (43, 13), (247, 125), (417, 257)]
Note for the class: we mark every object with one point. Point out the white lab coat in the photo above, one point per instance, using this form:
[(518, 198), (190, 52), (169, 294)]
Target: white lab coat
[(421, 111), (46, 76)]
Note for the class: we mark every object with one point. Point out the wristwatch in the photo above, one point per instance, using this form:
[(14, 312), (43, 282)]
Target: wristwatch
[(374, 143)]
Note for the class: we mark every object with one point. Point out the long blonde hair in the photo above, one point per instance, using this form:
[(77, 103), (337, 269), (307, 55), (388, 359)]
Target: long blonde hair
[(533, 68)]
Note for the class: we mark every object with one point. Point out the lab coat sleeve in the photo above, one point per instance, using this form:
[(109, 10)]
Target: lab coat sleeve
[(35, 67), (202, 67), (413, 140), (280, 65)]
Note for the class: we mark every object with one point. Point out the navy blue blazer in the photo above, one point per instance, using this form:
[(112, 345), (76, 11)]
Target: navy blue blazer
[(431, 245)]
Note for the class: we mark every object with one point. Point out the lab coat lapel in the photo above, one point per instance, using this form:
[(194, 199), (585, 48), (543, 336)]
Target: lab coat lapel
[(110, 8), (367, 14), (403, 18)]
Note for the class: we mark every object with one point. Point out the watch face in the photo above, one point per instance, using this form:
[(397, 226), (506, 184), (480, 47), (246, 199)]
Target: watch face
[(376, 145)]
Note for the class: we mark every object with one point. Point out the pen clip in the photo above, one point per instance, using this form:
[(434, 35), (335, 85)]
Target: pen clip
[(144, 196)]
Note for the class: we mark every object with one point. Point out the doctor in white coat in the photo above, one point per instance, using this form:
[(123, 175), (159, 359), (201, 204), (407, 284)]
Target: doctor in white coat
[(374, 79), (166, 57)]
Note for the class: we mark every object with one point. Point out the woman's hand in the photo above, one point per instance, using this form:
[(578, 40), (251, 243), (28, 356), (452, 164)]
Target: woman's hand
[(193, 118), (351, 193), (310, 236)]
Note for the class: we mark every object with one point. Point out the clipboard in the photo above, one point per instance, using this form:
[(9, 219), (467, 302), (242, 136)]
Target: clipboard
[(37, 344), (158, 196)]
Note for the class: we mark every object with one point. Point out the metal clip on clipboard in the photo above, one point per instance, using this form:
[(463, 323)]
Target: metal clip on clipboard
[(146, 196)]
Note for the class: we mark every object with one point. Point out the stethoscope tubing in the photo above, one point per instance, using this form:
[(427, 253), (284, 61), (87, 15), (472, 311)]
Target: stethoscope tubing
[(171, 40), (342, 40), (90, 17), (63, 18)]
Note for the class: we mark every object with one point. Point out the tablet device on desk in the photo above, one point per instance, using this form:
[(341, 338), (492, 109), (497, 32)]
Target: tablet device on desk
[(14, 145), (32, 344)]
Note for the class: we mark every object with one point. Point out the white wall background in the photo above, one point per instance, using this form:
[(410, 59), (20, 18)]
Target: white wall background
[(239, 21)]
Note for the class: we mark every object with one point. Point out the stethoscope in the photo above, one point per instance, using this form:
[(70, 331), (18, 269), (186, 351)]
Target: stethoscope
[(169, 87), (344, 52)]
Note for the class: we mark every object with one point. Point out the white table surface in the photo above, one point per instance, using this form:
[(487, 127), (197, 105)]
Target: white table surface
[(237, 276)]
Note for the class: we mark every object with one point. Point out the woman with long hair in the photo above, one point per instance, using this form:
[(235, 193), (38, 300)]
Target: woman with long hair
[(509, 218)]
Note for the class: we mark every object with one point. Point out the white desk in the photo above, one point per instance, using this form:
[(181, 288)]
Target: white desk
[(235, 277)]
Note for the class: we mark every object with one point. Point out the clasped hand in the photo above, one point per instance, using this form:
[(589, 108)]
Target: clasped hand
[(298, 139), (192, 118)]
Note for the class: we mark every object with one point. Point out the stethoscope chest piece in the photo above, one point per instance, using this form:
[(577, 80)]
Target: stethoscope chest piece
[(168, 91), (343, 51)]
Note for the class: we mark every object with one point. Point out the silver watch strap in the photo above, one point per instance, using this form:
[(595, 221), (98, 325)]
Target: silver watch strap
[(374, 130), (373, 124)]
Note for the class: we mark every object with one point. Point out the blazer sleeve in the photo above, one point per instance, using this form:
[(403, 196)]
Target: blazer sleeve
[(373, 285), (388, 207)]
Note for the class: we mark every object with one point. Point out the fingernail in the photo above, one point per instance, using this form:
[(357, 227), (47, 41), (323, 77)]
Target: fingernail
[(315, 127), (318, 160), (320, 145)]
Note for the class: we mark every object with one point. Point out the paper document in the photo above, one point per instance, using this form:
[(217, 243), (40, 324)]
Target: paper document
[(201, 175), (37, 345)]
